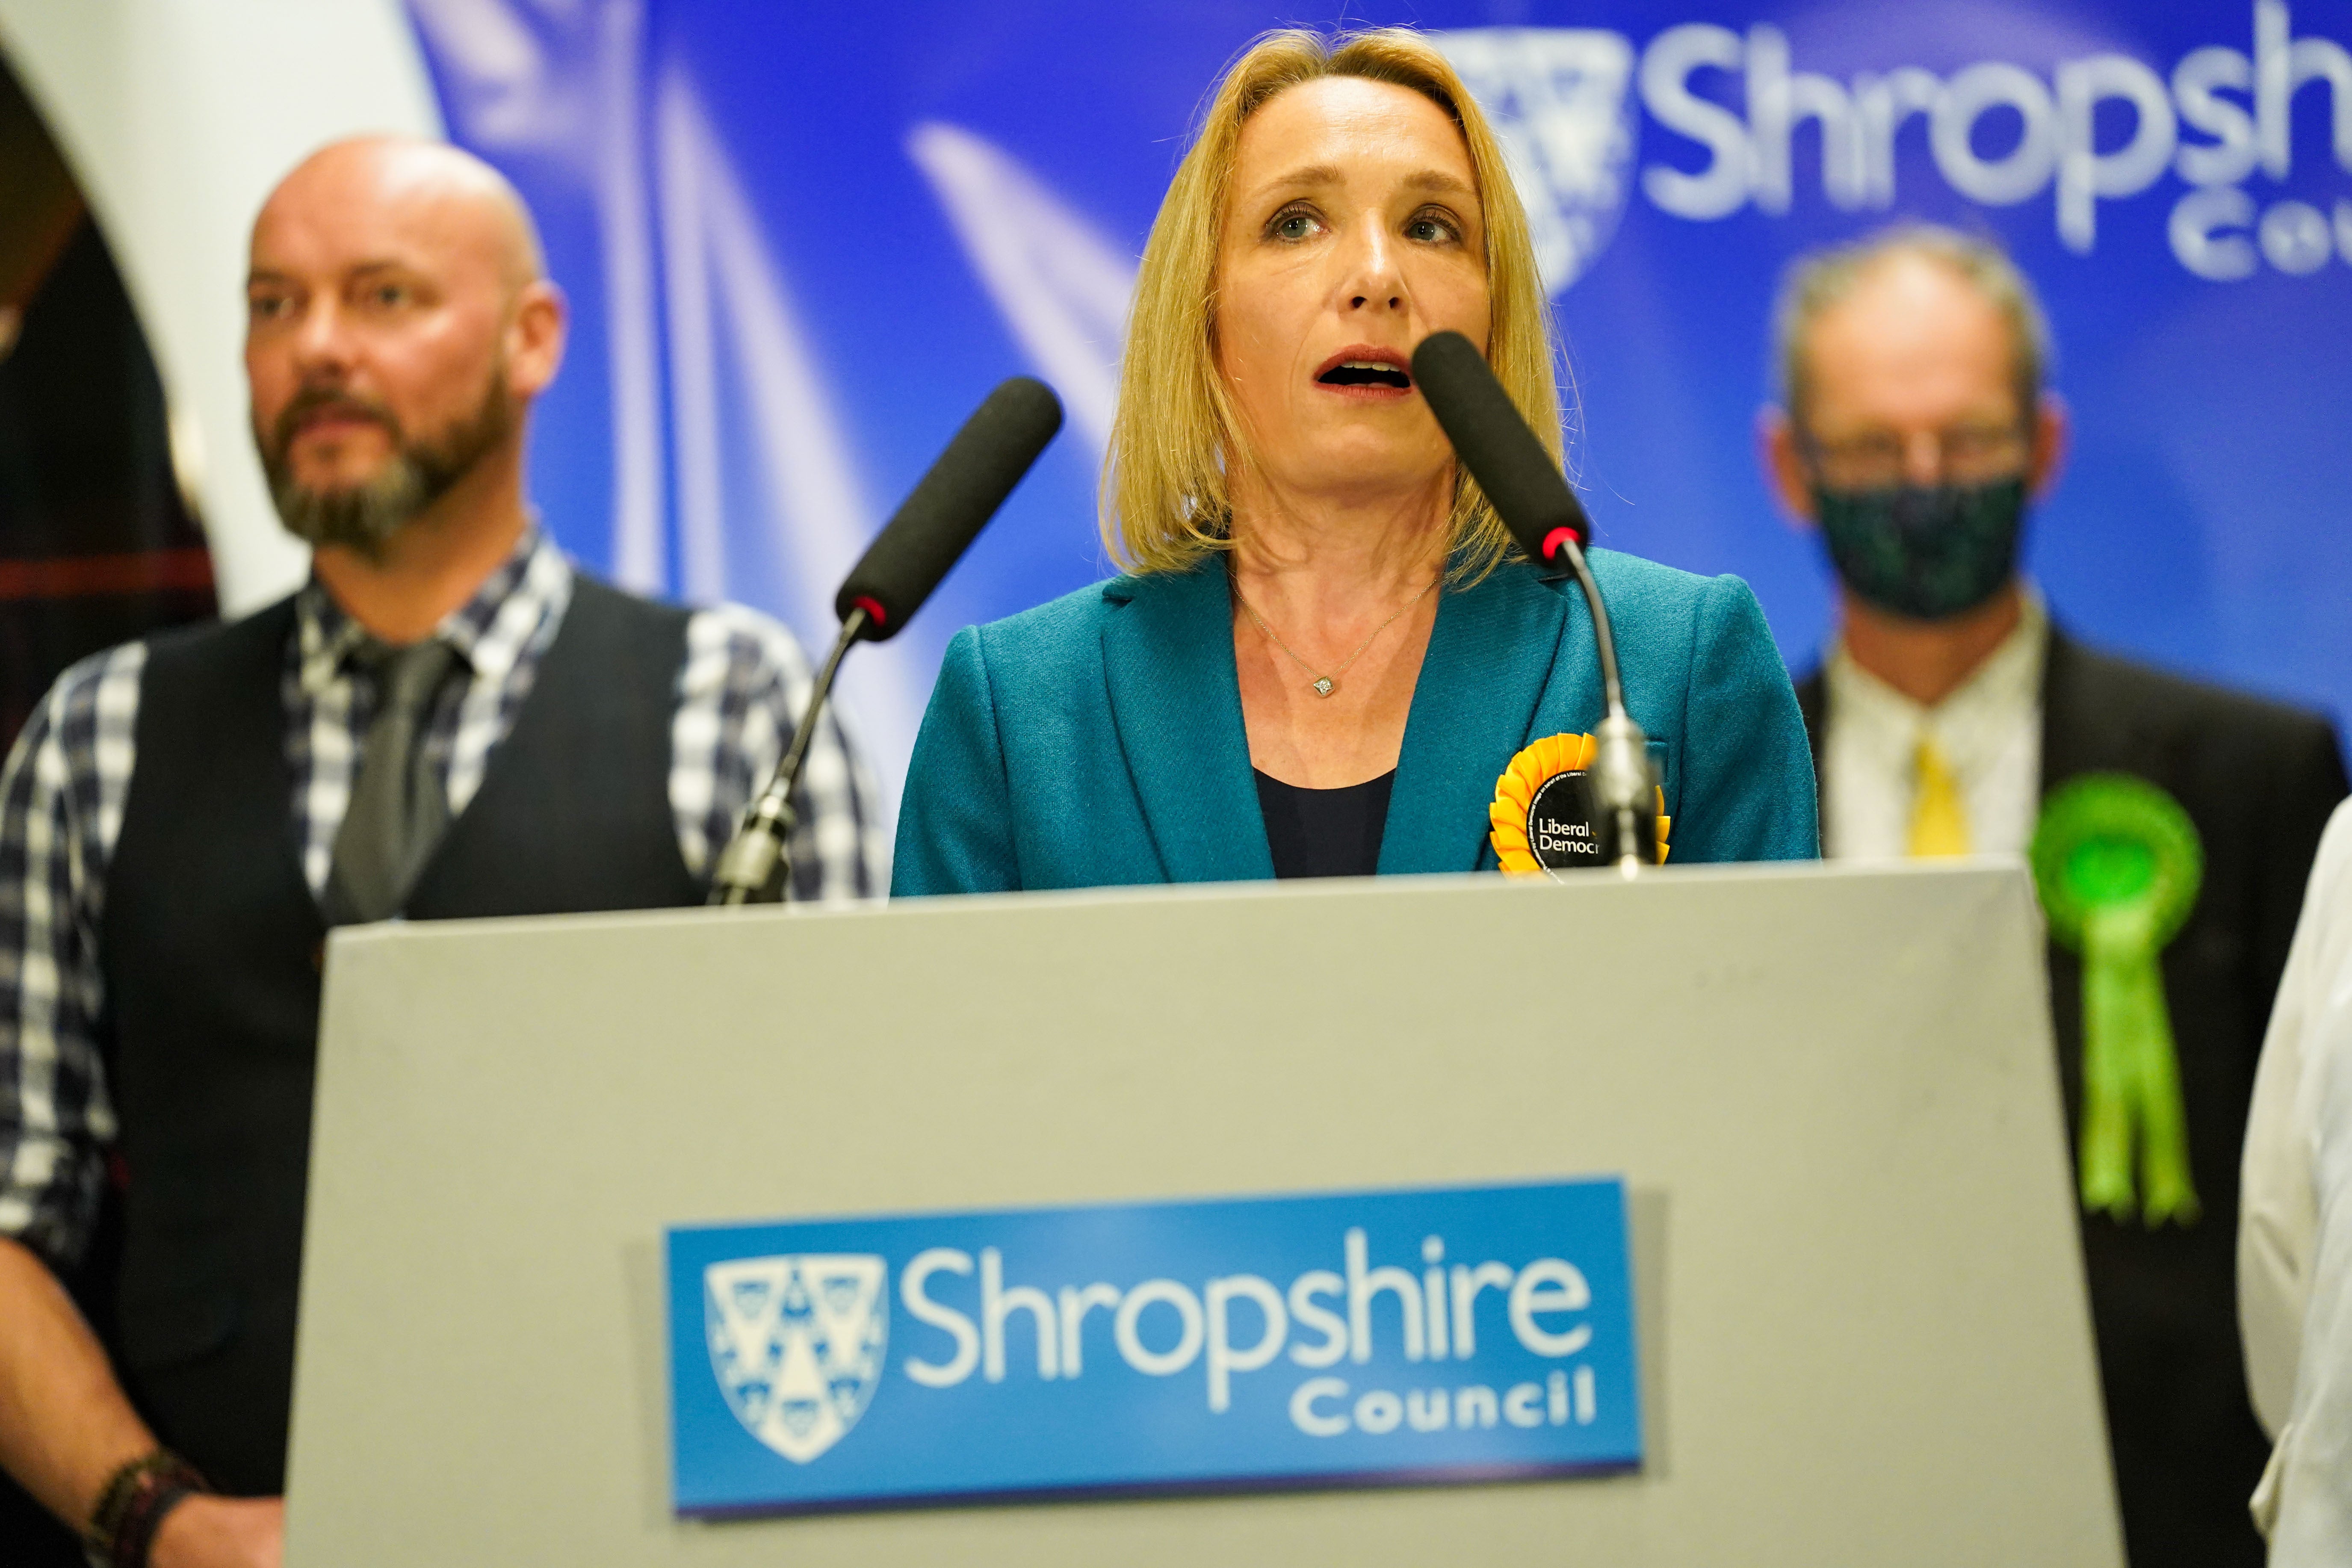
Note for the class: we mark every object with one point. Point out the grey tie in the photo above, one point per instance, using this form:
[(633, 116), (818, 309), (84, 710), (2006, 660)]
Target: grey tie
[(398, 808)]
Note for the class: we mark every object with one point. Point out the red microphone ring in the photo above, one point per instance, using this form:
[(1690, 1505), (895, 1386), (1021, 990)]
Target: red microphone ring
[(873, 610), (1552, 541)]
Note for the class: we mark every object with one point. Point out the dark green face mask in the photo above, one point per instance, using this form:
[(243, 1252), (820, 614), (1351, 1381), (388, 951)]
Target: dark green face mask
[(1925, 552)]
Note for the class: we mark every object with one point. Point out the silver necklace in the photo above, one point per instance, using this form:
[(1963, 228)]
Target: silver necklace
[(1321, 685)]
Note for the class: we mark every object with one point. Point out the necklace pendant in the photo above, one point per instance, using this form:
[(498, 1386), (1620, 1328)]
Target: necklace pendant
[(1324, 686)]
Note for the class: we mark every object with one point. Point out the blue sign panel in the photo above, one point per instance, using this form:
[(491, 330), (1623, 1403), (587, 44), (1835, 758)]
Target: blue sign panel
[(785, 302), (1359, 1338)]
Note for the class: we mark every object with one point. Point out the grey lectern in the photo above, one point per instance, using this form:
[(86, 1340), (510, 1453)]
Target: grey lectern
[(1831, 1094)]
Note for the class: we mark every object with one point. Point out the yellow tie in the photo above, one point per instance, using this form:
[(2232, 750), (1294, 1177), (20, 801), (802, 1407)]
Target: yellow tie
[(1939, 818)]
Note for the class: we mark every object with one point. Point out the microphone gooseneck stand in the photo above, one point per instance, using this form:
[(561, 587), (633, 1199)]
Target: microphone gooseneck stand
[(1621, 759), (757, 866)]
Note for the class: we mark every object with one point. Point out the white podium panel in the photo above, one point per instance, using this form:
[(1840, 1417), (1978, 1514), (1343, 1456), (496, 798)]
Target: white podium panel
[(1831, 1092)]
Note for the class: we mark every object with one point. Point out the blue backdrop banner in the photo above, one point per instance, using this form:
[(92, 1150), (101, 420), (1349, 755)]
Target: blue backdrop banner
[(1429, 1335), (804, 241)]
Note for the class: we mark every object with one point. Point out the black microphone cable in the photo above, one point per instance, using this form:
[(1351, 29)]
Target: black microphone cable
[(924, 538)]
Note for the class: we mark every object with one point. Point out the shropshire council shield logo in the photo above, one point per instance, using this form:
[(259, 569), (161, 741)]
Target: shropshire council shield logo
[(1559, 100), (796, 1344)]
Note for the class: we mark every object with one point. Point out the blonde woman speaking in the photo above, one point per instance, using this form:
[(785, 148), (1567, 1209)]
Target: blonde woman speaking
[(1324, 658)]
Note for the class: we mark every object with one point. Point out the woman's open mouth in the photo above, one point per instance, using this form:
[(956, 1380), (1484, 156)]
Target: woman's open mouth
[(1363, 371)]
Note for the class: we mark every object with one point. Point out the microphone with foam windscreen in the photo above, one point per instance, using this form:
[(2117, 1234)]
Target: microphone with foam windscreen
[(939, 517), (924, 538), (1531, 496)]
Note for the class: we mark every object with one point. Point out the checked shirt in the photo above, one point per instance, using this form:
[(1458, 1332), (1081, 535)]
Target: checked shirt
[(61, 799)]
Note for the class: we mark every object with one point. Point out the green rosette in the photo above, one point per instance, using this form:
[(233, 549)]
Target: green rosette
[(2117, 863)]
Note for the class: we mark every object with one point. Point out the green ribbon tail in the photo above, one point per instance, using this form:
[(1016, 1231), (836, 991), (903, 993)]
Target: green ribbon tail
[(2106, 1139), (2168, 1192), (2131, 1076)]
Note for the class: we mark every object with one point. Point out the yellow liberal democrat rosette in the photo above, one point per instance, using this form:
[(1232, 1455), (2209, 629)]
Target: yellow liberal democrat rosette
[(1551, 774)]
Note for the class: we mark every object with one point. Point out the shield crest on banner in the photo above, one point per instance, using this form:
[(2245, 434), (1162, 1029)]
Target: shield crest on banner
[(796, 1344), (1559, 100)]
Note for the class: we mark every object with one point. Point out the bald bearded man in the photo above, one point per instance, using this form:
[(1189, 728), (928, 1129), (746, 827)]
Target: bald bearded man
[(447, 721)]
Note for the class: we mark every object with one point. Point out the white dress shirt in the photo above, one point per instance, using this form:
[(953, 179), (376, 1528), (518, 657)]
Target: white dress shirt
[(2294, 1228), (1989, 730)]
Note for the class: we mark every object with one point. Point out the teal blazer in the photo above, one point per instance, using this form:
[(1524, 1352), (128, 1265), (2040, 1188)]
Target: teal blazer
[(1097, 740)]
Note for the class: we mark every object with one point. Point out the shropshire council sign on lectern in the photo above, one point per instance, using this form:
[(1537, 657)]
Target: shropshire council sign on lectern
[(1829, 1098)]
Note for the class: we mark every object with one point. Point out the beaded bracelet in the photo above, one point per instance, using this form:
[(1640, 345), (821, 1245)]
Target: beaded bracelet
[(131, 1506)]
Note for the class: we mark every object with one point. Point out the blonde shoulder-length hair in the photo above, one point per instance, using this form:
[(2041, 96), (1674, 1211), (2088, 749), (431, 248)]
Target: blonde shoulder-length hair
[(1166, 501)]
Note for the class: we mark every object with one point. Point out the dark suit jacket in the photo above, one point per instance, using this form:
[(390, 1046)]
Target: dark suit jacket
[(2259, 781)]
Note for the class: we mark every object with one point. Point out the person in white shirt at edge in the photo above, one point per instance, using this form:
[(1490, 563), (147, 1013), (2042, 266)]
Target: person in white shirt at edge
[(2295, 1230), (1915, 434)]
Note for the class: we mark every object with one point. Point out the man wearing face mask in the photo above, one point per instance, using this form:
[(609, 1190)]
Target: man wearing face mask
[(1950, 711)]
